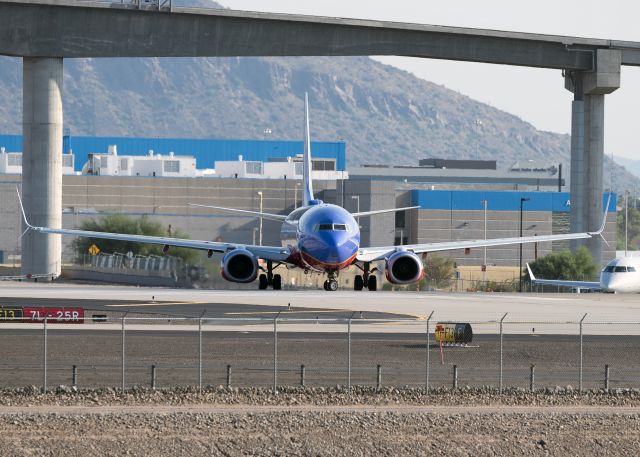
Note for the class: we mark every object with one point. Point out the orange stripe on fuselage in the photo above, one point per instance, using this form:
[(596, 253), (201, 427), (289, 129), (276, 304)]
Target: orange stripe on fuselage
[(315, 263)]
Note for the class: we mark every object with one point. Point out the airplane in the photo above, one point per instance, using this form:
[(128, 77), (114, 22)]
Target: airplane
[(621, 275), (316, 237)]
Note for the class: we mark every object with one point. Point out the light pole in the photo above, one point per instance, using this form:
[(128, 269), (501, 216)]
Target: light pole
[(478, 124), (295, 195), (357, 199), (522, 200), (626, 220), (484, 261), (260, 238), (255, 229)]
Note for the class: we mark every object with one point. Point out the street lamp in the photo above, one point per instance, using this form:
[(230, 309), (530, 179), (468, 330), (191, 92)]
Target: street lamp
[(357, 199), (478, 124), (484, 262), (260, 238), (522, 200), (255, 229), (626, 220)]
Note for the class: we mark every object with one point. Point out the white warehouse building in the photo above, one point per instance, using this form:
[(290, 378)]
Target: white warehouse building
[(286, 168), (11, 163), (110, 164)]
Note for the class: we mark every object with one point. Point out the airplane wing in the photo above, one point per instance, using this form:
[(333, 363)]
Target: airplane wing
[(275, 253), (562, 282), (380, 253)]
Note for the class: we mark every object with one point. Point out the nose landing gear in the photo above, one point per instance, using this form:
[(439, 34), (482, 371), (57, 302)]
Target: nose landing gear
[(331, 284)]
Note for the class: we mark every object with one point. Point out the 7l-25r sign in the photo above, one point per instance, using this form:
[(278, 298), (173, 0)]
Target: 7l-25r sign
[(54, 315)]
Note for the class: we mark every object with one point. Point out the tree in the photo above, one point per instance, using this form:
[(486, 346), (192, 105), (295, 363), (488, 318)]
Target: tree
[(633, 229), (578, 265), (119, 223), (438, 271)]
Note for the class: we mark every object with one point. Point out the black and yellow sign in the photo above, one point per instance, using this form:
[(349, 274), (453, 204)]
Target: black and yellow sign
[(94, 250), (11, 314), (450, 332)]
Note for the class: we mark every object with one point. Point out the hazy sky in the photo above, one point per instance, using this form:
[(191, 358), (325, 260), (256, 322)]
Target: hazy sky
[(536, 95)]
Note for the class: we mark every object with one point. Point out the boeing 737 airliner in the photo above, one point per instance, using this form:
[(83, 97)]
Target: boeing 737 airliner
[(317, 237)]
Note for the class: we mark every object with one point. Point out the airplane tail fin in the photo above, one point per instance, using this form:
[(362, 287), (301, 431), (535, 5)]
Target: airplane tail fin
[(306, 158)]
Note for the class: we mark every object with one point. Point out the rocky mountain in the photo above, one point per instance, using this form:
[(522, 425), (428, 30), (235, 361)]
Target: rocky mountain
[(385, 115)]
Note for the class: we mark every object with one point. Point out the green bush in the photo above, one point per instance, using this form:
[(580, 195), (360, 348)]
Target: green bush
[(578, 265), (118, 223)]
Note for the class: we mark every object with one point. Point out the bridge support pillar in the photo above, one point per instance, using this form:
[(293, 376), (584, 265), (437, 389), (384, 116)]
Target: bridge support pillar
[(587, 144), (42, 162)]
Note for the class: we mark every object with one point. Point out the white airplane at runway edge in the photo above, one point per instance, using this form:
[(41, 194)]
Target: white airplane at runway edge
[(621, 275), (318, 237)]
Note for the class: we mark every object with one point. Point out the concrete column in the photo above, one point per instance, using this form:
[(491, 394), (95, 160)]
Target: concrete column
[(587, 144), (42, 162)]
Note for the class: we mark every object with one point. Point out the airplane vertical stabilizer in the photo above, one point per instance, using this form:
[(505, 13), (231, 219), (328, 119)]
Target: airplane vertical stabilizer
[(306, 173)]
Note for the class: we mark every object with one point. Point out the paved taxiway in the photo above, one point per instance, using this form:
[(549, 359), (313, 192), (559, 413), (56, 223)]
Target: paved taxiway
[(547, 313)]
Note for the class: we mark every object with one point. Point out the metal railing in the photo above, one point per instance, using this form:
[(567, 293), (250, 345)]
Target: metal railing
[(284, 351)]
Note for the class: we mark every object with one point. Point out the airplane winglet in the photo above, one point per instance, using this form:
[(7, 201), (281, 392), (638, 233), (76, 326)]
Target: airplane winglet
[(604, 220), (531, 275), (24, 216)]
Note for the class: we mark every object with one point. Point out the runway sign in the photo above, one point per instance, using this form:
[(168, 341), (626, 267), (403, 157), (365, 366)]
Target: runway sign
[(10, 314), (54, 315)]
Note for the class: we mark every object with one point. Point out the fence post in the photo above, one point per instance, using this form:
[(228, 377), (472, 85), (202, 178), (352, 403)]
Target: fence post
[(153, 376), (500, 385), (455, 376), (302, 373), (44, 358), (200, 354), (74, 375), (426, 383), (275, 353), (349, 356), (532, 378), (606, 378), (123, 352), (580, 373), (378, 377)]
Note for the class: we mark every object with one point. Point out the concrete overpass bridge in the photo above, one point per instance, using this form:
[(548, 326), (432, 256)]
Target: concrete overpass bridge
[(44, 32)]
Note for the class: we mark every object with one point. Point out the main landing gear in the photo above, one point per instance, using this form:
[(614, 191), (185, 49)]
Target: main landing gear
[(366, 279), (331, 284), (269, 279)]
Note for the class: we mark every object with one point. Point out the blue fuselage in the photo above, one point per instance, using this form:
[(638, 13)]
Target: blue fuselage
[(323, 236)]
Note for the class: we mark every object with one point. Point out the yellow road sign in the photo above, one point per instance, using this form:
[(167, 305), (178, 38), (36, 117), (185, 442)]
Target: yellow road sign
[(94, 250)]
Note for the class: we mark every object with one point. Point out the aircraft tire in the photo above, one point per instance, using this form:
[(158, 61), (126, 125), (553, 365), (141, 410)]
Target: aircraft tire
[(325, 286), (373, 283), (332, 285), (358, 283), (277, 282), (262, 282)]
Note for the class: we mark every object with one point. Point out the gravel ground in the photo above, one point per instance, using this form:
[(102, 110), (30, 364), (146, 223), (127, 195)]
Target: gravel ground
[(319, 422)]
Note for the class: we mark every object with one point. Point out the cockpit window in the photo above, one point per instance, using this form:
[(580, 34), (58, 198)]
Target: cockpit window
[(620, 269), (609, 269), (339, 227), (632, 269)]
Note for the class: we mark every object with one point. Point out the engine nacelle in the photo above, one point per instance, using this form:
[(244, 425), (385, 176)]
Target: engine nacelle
[(239, 265), (404, 267)]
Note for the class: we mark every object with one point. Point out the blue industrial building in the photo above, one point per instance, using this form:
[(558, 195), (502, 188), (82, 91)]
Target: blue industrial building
[(206, 151), (464, 200)]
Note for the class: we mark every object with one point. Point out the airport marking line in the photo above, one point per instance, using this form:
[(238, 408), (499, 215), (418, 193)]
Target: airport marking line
[(163, 303)]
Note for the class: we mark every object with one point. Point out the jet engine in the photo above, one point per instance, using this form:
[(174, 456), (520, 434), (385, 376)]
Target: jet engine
[(404, 267), (239, 265)]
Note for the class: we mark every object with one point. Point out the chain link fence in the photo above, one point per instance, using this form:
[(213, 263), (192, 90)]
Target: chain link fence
[(271, 352)]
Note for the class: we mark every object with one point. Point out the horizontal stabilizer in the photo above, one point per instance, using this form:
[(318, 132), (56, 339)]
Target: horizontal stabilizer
[(275, 217), (381, 211)]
